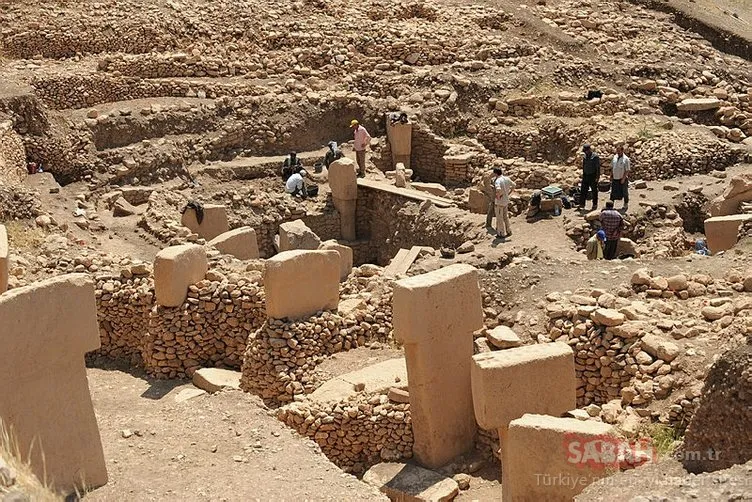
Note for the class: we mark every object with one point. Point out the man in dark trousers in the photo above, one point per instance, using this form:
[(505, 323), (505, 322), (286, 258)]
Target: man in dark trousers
[(612, 223), (591, 173)]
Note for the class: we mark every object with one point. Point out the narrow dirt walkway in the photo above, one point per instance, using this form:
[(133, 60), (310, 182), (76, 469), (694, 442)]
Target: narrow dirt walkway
[(222, 447)]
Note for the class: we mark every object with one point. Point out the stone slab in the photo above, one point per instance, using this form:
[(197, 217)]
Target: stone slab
[(411, 483), (300, 283), (371, 379), (440, 202), (240, 243), (536, 378), (399, 136), (46, 328), (176, 268), (214, 223), (188, 394), (4, 252), (345, 256), (402, 261), (542, 450), (433, 188), (503, 337), (722, 232), (438, 345), (477, 201), (698, 104), (216, 379)]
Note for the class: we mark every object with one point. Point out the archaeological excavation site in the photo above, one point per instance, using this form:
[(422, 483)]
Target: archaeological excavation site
[(420, 250)]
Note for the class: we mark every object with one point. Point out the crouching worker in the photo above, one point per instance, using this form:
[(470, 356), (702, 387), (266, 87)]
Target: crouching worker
[(295, 184), (334, 153), (594, 246)]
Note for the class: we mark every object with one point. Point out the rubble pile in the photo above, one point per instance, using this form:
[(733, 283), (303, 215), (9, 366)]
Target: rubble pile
[(638, 344), (18, 203)]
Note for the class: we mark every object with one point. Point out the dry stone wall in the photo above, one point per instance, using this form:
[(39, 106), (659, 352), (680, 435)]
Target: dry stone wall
[(12, 155), (366, 429), (124, 303), (427, 155), (391, 222), (209, 329), (281, 356)]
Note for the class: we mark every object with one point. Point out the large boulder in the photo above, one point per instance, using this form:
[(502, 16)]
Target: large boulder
[(660, 347), (722, 423), (296, 235), (407, 482), (240, 243), (739, 190)]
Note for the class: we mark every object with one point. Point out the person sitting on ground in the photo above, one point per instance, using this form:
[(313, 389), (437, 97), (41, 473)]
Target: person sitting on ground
[(334, 153), (292, 161), (701, 247), (594, 246), (612, 224), (504, 187), (295, 185)]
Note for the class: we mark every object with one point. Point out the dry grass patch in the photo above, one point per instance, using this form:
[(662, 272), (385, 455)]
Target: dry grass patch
[(16, 475)]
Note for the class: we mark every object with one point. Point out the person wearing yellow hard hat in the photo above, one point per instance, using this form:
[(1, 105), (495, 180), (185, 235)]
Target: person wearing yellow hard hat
[(361, 141)]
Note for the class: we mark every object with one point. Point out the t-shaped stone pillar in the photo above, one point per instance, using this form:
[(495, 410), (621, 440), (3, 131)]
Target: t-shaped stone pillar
[(510, 383), (45, 330), (400, 138), (344, 185), (435, 315)]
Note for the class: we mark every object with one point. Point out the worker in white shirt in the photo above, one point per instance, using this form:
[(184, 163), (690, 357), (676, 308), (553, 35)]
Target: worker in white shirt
[(362, 139), (295, 184), (620, 166)]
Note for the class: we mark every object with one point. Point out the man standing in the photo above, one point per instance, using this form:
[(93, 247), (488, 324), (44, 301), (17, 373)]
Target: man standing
[(620, 177), (362, 139), (591, 172), (504, 187), (612, 223), (489, 190)]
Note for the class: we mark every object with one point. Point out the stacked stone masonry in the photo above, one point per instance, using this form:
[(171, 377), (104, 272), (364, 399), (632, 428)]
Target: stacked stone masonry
[(209, 329)]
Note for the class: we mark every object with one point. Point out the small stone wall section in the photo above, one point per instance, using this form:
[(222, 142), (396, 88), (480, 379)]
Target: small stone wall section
[(209, 329)]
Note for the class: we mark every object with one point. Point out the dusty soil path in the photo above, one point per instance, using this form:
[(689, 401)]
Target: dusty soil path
[(222, 447)]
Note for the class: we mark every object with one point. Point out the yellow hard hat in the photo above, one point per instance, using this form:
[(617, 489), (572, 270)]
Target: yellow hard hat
[(354, 122)]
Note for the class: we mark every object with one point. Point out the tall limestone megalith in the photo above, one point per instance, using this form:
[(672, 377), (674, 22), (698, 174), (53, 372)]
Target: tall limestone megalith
[(45, 330), (435, 315)]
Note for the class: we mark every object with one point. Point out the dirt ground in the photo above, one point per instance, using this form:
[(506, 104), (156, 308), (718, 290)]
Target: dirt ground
[(221, 447)]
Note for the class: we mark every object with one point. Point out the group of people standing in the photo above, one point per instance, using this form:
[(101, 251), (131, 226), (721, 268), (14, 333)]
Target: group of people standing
[(295, 176), (602, 245)]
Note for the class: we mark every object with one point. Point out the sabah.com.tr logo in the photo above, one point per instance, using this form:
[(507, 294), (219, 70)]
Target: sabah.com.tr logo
[(607, 452)]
